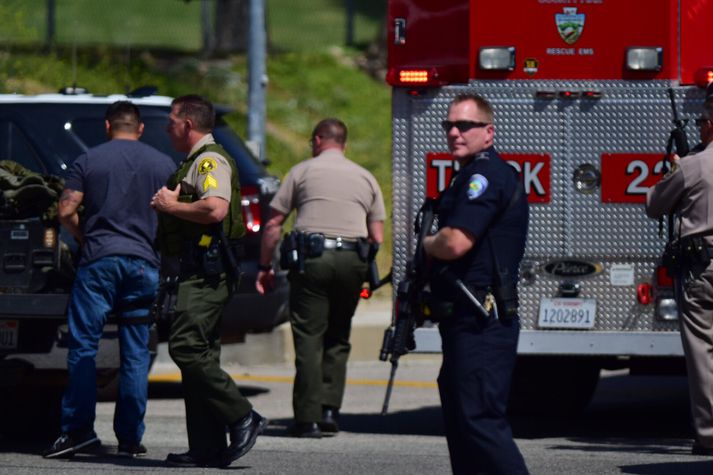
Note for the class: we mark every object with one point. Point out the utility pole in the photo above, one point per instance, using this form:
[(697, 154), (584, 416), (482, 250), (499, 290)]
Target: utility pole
[(51, 21), (257, 77), (350, 22), (207, 30)]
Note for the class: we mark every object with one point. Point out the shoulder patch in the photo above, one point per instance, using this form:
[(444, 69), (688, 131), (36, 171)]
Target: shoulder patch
[(207, 165), (477, 186)]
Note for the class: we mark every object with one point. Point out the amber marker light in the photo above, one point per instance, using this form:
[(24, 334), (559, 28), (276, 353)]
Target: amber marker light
[(413, 76)]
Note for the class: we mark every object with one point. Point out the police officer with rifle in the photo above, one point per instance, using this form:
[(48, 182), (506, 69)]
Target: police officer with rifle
[(473, 267), (685, 194)]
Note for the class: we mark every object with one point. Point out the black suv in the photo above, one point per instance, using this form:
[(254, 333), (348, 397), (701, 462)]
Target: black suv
[(45, 133)]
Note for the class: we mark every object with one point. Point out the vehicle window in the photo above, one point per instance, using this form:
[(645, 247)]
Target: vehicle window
[(249, 168), (14, 146), (91, 131), (155, 135)]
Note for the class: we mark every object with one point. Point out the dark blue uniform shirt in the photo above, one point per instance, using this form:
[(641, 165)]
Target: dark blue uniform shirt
[(477, 202)]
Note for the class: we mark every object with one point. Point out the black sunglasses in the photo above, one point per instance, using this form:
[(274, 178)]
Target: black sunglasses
[(462, 125), (701, 120)]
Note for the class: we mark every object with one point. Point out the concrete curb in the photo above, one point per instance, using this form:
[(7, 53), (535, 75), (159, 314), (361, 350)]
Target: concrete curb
[(372, 317)]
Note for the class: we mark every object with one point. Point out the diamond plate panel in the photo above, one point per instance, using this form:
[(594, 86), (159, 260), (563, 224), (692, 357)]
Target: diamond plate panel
[(628, 118)]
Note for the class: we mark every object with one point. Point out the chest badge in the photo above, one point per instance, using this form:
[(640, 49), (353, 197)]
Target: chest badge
[(477, 186), (206, 166)]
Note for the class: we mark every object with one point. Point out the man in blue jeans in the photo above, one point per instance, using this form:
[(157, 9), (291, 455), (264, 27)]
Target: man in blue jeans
[(117, 274)]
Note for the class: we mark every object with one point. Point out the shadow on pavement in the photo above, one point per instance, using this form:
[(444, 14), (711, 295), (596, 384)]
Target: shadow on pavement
[(648, 407), (424, 421), (174, 390), (689, 468)]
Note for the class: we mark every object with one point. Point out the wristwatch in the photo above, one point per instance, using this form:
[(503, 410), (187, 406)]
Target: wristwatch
[(265, 268)]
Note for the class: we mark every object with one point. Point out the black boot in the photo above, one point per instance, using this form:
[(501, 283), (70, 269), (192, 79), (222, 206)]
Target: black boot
[(330, 418), (243, 434)]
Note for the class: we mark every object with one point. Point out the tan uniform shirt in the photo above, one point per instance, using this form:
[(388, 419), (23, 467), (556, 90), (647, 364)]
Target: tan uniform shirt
[(209, 175), (332, 195), (688, 191)]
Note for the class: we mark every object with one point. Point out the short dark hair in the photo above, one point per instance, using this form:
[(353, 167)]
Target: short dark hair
[(198, 109), (331, 129), (482, 103), (123, 116)]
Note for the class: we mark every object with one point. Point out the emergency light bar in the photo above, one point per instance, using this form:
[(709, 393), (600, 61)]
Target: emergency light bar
[(497, 58), (644, 58)]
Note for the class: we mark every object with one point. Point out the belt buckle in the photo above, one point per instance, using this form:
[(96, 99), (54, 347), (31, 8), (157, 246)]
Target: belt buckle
[(338, 244)]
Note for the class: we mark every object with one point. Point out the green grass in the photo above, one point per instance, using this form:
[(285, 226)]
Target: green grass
[(314, 24), (162, 23), (303, 25)]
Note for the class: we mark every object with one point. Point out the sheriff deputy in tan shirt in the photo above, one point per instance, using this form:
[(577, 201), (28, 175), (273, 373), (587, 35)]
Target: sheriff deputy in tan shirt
[(687, 191), (339, 199)]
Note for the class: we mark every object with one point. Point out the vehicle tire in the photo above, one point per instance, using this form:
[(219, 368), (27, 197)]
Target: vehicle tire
[(553, 385)]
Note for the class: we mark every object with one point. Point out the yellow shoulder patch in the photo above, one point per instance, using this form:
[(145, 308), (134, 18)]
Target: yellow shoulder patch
[(210, 182), (207, 165)]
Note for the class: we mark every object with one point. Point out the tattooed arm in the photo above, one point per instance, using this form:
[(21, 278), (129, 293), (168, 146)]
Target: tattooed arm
[(68, 204)]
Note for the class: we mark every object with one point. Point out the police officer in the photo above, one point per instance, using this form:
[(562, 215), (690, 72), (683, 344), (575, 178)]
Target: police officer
[(201, 200), (482, 218), (338, 204), (687, 191)]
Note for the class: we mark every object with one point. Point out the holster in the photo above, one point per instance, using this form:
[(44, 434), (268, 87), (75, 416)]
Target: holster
[(672, 258), (505, 295), (695, 250), (297, 246), (163, 309), (685, 252), (292, 250)]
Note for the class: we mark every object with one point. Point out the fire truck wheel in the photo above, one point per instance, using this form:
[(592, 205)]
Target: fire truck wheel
[(552, 385)]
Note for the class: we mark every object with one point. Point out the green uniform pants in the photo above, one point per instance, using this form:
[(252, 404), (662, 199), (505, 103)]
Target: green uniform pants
[(322, 303), (213, 400)]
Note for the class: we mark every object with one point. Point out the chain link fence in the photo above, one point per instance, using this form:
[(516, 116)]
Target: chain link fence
[(206, 26)]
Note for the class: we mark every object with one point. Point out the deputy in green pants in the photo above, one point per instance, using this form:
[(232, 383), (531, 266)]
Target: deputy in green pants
[(338, 204), (200, 210)]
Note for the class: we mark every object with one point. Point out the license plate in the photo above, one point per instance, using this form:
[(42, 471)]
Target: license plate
[(8, 334), (567, 313)]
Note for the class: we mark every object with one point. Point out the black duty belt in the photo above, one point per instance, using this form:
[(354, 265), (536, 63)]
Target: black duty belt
[(339, 243)]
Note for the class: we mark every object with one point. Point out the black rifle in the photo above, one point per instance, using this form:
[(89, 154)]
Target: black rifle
[(399, 337), (676, 138)]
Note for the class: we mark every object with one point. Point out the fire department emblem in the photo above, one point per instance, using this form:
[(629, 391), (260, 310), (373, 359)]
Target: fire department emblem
[(531, 66), (570, 24)]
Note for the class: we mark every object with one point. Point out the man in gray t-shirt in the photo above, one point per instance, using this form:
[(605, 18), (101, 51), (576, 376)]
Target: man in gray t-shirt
[(117, 274), (339, 199)]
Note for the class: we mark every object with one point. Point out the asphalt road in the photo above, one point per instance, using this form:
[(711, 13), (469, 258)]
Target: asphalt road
[(635, 425)]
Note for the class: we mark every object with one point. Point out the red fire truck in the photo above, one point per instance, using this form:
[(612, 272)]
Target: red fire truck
[(580, 90)]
